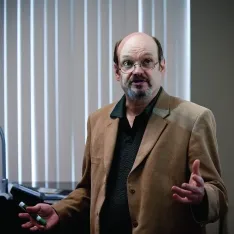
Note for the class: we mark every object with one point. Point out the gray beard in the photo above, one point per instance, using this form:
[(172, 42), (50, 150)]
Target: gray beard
[(139, 95)]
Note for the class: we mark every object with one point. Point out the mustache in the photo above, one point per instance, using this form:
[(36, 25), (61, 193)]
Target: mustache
[(138, 79)]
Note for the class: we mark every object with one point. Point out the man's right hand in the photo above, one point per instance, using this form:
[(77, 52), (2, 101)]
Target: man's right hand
[(45, 211)]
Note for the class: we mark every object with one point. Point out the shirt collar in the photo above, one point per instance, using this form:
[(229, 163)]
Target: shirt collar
[(120, 108)]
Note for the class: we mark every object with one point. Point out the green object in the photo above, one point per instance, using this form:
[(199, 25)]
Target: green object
[(36, 217)]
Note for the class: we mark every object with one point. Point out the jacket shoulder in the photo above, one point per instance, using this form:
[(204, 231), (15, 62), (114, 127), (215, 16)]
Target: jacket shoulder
[(102, 113), (189, 106), (186, 112)]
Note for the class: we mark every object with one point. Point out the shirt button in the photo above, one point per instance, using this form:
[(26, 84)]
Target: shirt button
[(135, 224), (132, 191)]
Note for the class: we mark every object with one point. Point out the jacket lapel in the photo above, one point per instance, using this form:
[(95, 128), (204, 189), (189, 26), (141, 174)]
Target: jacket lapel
[(109, 142), (154, 129)]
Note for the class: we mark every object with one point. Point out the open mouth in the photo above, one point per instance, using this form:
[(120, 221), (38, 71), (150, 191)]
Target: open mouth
[(138, 81)]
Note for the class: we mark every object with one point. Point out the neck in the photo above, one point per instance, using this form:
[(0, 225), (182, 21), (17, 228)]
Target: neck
[(136, 107)]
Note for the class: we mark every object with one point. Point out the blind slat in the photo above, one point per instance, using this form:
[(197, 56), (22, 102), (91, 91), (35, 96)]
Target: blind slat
[(65, 72)]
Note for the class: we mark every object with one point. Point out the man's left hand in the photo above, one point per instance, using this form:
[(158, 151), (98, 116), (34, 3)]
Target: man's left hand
[(192, 192)]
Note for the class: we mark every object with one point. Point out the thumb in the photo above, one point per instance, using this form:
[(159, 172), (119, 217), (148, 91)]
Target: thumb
[(196, 167), (33, 209)]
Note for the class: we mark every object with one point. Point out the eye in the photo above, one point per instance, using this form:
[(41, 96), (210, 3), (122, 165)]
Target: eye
[(127, 63), (147, 63)]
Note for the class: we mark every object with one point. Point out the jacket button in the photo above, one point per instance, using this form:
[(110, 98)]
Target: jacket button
[(132, 191), (135, 223)]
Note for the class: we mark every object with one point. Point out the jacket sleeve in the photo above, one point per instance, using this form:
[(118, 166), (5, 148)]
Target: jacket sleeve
[(75, 208), (203, 146)]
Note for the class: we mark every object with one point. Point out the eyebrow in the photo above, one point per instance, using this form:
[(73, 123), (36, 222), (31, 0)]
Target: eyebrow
[(145, 54)]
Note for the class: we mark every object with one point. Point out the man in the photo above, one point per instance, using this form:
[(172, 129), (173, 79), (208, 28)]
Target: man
[(151, 162)]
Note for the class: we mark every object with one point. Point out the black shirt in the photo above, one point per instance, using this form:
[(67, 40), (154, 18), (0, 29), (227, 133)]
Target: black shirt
[(115, 217)]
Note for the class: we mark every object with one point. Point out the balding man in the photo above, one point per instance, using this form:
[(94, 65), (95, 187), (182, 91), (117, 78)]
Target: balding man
[(151, 164)]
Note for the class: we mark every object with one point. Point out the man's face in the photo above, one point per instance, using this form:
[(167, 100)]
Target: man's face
[(141, 82)]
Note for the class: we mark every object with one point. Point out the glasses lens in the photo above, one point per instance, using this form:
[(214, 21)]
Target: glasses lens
[(148, 65), (127, 70), (144, 66)]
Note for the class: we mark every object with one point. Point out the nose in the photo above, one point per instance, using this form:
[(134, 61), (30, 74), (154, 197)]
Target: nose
[(138, 69)]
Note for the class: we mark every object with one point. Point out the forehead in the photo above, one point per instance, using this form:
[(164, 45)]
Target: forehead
[(137, 45)]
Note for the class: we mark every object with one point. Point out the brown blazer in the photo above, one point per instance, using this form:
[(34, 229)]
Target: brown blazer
[(178, 132)]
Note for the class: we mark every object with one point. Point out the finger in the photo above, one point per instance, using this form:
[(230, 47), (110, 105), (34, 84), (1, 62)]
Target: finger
[(24, 215), (196, 167), (192, 199), (180, 199), (191, 188), (38, 228), (199, 180), (181, 192), (33, 209), (34, 228), (27, 225)]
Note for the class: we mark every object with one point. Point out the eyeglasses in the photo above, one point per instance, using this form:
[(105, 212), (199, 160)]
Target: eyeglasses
[(129, 66)]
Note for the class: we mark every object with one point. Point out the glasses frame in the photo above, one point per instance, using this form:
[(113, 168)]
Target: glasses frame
[(140, 65)]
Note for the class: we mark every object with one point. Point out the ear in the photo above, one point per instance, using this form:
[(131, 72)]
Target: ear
[(163, 66), (117, 72)]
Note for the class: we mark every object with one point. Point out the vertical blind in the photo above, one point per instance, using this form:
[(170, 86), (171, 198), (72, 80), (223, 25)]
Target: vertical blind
[(56, 68)]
